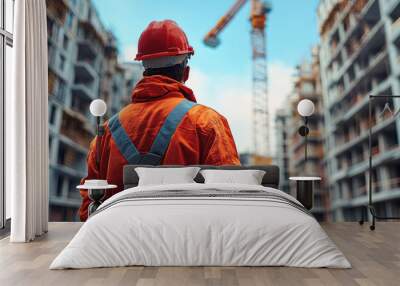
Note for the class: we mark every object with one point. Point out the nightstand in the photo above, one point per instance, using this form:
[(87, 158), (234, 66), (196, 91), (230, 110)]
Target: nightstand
[(305, 190)]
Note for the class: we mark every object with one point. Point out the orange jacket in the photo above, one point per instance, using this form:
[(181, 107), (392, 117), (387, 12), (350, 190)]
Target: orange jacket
[(202, 137)]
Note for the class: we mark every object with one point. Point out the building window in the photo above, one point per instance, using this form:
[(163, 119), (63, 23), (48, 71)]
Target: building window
[(53, 30), (65, 43), (50, 143), (60, 93), (59, 186), (70, 20), (52, 114), (6, 43), (62, 63), (50, 25)]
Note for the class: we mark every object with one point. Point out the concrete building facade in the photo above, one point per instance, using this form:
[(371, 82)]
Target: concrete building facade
[(359, 55), (83, 65)]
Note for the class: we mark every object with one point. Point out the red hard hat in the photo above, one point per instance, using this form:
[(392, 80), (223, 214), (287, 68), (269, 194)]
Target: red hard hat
[(162, 39)]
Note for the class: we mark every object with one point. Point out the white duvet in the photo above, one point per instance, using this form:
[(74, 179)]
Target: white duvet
[(188, 231)]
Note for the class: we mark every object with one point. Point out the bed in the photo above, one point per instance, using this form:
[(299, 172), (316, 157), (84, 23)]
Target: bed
[(197, 224)]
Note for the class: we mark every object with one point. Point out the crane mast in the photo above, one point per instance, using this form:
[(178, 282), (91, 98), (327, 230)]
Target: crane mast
[(258, 17), (261, 128)]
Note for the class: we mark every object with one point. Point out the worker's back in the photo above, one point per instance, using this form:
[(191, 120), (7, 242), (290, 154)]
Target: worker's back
[(202, 136)]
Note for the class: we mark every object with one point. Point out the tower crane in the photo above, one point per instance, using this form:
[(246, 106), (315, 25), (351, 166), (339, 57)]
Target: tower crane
[(258, 17)]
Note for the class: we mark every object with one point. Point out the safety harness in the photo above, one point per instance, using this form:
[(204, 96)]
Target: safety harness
[(160, 144)]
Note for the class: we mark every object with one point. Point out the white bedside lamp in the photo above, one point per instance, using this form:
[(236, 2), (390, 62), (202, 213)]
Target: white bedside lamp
[(97, 188), (98, 107), (305, 185), (305, 108)]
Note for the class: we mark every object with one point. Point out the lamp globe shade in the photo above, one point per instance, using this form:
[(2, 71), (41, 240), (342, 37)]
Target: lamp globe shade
[(98, 107), (305, 107)]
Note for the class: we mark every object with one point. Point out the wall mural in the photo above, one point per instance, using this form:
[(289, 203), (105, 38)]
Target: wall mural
[(249, 79)]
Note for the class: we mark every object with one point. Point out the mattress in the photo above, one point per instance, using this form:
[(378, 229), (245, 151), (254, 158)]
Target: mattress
[(201, 225)]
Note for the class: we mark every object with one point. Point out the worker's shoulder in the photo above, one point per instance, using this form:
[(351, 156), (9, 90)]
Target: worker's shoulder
[(205, 111), (205, 115), (123, 112)]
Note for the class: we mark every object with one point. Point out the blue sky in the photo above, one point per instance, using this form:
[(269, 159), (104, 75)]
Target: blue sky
[(221, 78)]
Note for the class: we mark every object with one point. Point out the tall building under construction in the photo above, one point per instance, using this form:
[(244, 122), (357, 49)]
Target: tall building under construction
[(83, 65), (360, 49)]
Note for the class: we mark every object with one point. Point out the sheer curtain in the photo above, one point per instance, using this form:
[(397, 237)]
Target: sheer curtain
[(27, 124)]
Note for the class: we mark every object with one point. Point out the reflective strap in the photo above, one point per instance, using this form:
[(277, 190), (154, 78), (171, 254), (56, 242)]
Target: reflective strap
[(164, 136), (122, 140)]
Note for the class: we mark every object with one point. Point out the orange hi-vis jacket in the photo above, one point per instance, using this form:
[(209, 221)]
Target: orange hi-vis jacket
[(202, 137)]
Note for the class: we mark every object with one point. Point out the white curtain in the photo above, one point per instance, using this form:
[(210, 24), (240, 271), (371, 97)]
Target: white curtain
[(27, 124)]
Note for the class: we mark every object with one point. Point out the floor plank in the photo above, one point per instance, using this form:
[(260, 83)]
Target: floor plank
[(374, 255)]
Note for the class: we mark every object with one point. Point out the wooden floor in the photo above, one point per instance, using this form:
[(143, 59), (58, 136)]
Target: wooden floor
[(375, 257)]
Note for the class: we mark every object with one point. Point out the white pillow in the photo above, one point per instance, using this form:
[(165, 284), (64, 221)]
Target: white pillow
[(248, 177), (166, 176)]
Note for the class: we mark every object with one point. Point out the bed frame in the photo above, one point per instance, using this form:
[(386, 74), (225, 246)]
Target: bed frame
[(270, 179)]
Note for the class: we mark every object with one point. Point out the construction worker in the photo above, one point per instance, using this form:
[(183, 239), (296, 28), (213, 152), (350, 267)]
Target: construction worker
[(163, 125)]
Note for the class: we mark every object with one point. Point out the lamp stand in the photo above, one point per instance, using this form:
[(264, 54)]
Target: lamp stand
[(99, 134), (305, 139), (303, 131), (97, 195)]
